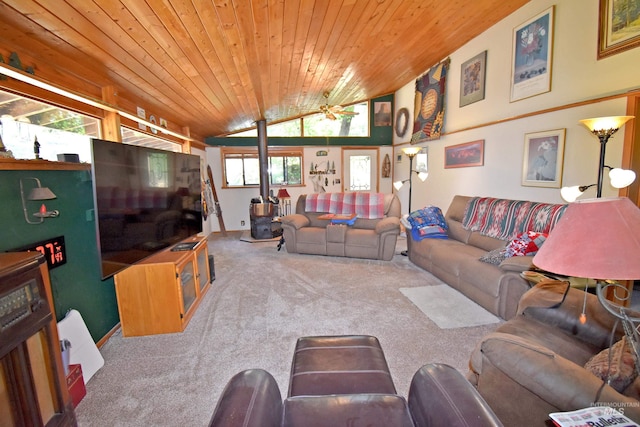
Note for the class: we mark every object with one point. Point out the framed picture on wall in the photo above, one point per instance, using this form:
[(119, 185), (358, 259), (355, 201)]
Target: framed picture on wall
[(532, 53), (543, 158), (464, 155), (382, 113), (472, 79), (619, 27)]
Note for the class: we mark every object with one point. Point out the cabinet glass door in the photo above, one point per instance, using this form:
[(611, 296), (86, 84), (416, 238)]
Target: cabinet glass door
[(203, 268), (188, 286)]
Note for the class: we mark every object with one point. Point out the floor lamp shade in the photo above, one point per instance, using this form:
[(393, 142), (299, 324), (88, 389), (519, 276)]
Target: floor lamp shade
[(595, 238)]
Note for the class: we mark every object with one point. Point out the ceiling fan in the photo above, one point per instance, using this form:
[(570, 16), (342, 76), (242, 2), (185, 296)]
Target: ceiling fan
[(331, 111)]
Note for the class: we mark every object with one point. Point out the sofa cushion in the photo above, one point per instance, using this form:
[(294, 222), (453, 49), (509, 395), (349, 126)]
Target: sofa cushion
[(615, 365)]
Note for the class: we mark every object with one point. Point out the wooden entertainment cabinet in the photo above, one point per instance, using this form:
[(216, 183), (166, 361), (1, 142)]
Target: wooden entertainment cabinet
[(159, 294)]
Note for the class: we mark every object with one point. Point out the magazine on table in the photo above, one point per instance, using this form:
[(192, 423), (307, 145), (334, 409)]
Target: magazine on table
[(592, 416)]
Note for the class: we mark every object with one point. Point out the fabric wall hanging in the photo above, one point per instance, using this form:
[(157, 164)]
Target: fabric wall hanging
[(429, 103)]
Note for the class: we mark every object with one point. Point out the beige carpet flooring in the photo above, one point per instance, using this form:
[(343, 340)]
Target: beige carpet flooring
[(261, 301)]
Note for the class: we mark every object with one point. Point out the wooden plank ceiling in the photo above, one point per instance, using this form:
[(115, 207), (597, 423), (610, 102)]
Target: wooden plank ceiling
[(217, 66)]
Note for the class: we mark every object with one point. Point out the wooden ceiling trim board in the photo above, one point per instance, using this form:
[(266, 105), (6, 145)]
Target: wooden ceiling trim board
[(240, 54), (182, 27), (318, 11), (289, 28), (311, 85), (329, 67), (357, 42), (227, 73), (193, 20), (107, 51), (259, 26), (276, 29), (174, 77), (303, 24)]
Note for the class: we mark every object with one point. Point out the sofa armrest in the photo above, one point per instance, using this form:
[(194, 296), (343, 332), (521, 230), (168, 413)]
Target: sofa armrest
[(439, 395), (390, 223), (557, 304), (250, 399), (296, 221), (517, 264), (515, 369)]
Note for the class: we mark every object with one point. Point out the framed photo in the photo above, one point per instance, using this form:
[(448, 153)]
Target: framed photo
[(472, 78), (619, 27), (532, 53), (464, 155), (543, 159), (382, 113)]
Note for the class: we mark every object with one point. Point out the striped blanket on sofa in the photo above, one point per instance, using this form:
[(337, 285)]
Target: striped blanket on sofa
[(504, 219), (365, 205)]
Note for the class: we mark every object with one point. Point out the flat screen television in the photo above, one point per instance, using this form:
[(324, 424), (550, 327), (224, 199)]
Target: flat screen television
[(145, 200)]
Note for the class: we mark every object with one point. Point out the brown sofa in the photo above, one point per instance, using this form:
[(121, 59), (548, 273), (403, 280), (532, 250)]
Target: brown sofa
[(533, 364), (456, 260), (305, 233)]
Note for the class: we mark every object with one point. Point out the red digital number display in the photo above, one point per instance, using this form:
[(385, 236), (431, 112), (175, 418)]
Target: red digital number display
[(53, 251)]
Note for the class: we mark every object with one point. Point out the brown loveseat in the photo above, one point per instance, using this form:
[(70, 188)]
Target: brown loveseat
[(456, 260), (534, 364), (373, 238)]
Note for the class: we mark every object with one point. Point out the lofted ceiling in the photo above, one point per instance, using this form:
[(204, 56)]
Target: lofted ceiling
[(217, 66)]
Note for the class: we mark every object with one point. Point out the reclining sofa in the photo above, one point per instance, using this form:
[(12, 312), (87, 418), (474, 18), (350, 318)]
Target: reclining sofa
[(372, 235), (482, 227), (545, 360), (345, 381)]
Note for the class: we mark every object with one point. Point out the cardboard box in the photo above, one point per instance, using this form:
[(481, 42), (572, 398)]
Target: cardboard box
[(75, 384)]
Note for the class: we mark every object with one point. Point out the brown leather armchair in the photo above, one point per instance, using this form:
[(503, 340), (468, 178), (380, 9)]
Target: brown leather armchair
[(533, 364), (439, 396), (345, 380)]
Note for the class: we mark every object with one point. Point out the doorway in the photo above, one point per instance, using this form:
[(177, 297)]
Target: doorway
[(360, 169)]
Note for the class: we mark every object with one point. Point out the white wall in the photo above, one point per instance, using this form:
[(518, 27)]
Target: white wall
[(576, 76), (234, 203)]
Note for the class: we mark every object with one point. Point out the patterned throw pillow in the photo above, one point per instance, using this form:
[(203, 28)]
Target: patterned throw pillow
[(527, 243), (615, 365), (495, 256)]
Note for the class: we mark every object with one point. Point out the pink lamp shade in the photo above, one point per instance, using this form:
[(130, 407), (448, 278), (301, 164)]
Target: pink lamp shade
[(283, 194), (596, 239)]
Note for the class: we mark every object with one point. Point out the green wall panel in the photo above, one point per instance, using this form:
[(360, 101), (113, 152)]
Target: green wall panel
[(76, 284)]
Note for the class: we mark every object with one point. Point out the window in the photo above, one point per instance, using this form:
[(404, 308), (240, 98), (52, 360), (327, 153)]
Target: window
[(344, 125), (133, 137), (318, 124), (57, 130), (241, 167), (158, 170)]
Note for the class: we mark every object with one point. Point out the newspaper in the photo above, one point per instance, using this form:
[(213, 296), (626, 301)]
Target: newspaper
[(595, 416)]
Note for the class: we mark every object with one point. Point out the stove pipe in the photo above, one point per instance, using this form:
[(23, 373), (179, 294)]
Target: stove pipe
[(263, 158)]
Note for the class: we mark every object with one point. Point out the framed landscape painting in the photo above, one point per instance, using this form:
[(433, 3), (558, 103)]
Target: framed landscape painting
[(472, 79), (464, 155), (619, 27), (543, 158), (532, 53)]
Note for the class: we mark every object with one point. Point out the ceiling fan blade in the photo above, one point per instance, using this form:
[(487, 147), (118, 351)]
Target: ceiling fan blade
[(347, 113)]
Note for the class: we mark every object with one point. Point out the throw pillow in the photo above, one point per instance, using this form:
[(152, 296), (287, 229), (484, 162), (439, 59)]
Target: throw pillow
[(495, 256), (527, 243), (615, 365)]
